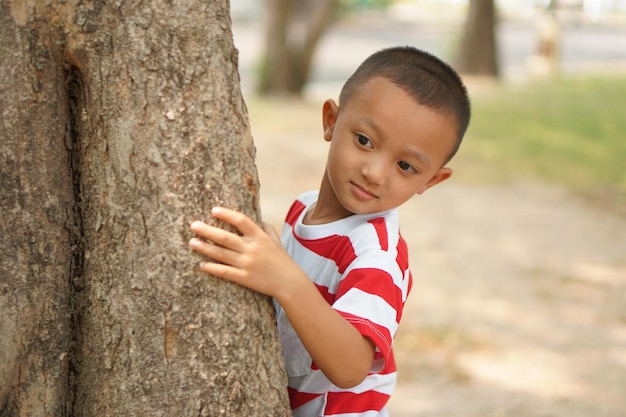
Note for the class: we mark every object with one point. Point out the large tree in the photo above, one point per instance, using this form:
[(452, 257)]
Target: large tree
[(478, 52), (122, 122)]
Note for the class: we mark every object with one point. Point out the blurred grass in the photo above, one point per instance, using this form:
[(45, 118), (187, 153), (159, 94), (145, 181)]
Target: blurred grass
[(569, 132)]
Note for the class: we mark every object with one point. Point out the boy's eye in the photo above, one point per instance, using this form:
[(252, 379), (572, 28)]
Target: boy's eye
[(405, 166), (364, 140)]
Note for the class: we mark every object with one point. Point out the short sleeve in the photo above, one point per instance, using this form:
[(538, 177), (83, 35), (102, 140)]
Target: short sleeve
[(371, 299)]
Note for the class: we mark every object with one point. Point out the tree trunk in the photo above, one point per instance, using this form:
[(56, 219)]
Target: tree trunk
[(478, 53), (122, 122), (293, 31), (37, 226)]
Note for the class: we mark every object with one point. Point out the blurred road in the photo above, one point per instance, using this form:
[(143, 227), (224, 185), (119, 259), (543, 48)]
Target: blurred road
[(585, 47)]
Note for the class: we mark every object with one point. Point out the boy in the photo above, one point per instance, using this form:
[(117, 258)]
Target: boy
[(340, 277)]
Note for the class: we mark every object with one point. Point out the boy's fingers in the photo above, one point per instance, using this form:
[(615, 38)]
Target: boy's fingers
[(215, 234), (202, 229), (215, 252), (242, 222), (226, 272)]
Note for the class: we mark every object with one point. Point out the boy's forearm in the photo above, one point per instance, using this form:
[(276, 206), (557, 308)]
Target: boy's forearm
[(337, 348)]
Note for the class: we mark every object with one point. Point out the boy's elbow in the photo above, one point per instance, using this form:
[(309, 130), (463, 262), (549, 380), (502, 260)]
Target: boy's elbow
[(348, 383), (351, 372), (349, 378)]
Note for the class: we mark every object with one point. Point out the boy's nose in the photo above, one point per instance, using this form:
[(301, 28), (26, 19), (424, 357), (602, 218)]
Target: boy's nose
[(374, 172)]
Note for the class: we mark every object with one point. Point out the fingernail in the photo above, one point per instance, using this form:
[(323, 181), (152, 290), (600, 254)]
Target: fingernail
[(215, 210)]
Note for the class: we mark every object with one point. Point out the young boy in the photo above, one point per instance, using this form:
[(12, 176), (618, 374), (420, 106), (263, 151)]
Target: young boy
[(340, 277)]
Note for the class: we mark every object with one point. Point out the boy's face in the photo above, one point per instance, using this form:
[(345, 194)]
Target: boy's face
[(384, 148)]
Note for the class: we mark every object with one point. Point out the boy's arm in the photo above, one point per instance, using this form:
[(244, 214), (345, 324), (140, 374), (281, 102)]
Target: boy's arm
[(258, 261)]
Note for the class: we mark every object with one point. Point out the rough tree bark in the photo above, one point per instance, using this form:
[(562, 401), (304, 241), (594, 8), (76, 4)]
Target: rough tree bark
[(293, 30), (122, 122), (478, 53)]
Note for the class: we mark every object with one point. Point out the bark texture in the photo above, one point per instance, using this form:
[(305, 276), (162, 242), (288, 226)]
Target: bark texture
[(123, 121), (478, 54), (37, 226)]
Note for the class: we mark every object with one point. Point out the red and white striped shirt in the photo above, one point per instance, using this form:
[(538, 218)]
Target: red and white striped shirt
[(360, 266)]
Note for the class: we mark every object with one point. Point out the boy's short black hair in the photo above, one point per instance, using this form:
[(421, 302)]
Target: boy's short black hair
[(429, 80)]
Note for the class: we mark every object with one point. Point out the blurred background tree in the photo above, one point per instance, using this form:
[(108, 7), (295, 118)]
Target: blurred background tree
[(293, 30), (478, 54)]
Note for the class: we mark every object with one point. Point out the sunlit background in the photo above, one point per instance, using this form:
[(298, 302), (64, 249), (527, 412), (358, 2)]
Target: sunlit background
[(519, 261)]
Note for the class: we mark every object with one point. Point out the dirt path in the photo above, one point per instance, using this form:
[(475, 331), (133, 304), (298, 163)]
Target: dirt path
[(519, 307), (519, 300)]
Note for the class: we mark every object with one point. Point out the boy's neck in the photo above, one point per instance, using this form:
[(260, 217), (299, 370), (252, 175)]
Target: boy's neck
[(327, 209)]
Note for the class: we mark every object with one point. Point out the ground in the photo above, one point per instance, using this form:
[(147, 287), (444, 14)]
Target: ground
[(518, 306)]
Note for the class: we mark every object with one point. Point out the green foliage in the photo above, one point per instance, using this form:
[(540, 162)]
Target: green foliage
[(570, 132), (364, 4)]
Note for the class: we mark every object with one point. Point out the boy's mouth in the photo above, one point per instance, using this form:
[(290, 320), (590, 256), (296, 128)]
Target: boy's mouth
[(362, 193)]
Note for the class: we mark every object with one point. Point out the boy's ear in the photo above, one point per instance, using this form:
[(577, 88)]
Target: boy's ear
[(443, 174), (329, 118)]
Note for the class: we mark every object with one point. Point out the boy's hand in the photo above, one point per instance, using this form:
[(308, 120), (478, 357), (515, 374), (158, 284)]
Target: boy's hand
[(258, 261), (255, 260)]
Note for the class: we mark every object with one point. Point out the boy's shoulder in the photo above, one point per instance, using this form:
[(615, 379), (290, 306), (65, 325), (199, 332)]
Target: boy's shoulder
[(363, 233), (307, 198), (303, 201), (355, 224)]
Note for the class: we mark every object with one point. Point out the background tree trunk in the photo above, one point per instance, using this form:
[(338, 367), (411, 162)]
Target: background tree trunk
[(293, 30), (478, 54), (122, 122)]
